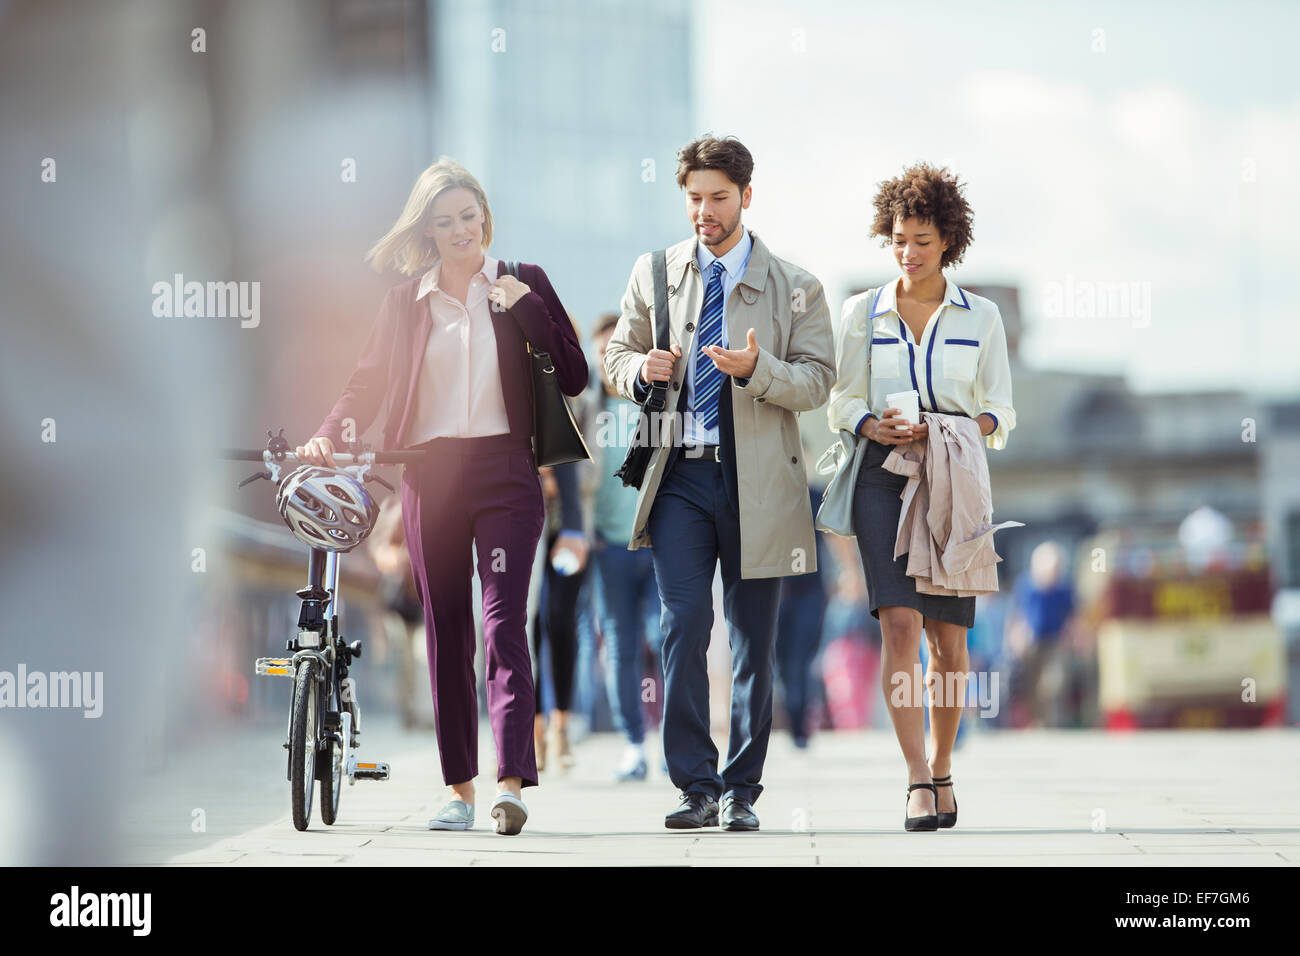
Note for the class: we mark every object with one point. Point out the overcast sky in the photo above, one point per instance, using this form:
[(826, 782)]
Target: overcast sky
[(1161, 152)]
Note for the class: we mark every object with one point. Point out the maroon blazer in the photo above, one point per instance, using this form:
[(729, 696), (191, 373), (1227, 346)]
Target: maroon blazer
[(387, 372)]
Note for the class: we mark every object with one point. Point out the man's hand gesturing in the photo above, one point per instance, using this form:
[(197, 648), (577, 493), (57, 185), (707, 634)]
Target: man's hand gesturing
[(738, 363)]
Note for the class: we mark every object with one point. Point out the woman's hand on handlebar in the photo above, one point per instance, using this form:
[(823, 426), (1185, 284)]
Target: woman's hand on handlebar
[(317, 451)]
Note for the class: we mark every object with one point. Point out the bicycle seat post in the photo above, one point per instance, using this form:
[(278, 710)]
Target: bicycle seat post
[(314, 596), (332, 561)]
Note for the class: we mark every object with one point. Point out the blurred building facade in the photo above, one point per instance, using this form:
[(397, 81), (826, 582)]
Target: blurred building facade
[(577, 153)]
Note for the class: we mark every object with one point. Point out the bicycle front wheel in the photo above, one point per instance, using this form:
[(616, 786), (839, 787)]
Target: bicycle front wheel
[(329, 766), (302, 742)]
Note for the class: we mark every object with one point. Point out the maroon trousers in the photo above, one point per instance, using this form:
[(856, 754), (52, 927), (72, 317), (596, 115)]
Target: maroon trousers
[(485, 492)]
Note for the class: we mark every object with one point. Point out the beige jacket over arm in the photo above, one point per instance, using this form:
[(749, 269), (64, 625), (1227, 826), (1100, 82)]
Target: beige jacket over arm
[(945, 526)]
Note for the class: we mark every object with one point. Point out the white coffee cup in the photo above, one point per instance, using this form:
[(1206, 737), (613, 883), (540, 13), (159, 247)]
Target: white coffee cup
[(565, 562), (908, 403)]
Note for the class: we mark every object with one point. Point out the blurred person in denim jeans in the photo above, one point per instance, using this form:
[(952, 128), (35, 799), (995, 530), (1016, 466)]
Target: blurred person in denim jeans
[(799, 631), (1038, 638), (987, 659), (564, 551), (628, 593), (564, 570)]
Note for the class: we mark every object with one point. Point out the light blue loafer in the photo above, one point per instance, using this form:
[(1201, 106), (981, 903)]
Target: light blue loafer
[(456, 815), (509, 813)]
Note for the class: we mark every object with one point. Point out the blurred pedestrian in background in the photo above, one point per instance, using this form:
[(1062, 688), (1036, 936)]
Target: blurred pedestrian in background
[(849, 661), (403, 617), (986, 646), (590, 703), (564, 548), (628, 595), (1039, 642), (799, 632), (555, 630)]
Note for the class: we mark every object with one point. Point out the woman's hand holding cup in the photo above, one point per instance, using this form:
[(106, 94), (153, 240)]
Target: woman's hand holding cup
[(893, 428)]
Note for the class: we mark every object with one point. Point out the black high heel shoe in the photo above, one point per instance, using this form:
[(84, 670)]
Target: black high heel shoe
[(946, 819), (928, 821)]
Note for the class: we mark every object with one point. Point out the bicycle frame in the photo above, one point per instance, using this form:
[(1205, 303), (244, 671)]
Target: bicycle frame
[(318, 638)]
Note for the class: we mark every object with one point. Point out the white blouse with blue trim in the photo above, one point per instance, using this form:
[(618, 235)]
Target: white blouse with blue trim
[(960, 364)]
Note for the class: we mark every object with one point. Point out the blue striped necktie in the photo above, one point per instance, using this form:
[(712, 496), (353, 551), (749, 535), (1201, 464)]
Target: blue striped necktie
[(708, 379)]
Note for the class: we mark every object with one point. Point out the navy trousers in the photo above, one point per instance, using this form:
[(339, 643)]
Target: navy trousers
[(695, 523)]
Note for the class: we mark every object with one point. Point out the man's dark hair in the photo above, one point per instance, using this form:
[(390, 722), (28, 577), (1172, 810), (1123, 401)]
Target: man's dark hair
[(604, 323), (728, 155)]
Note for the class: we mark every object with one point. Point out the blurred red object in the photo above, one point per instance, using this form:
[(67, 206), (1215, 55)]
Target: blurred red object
[(232, 688), (849, 671), (1120, 719)]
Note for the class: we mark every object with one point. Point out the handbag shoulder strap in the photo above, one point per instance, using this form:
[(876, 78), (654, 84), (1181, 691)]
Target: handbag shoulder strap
[(512, 269), (874, 295), (871, 309)]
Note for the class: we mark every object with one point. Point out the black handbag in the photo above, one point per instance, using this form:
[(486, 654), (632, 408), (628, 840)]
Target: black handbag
[(556, 437), (646, 438)]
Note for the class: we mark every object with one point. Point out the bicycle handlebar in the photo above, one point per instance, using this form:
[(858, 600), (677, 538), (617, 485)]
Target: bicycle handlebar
[(340, 457)]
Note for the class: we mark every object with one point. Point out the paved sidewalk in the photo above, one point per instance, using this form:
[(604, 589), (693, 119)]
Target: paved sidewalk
[(1040, 798)]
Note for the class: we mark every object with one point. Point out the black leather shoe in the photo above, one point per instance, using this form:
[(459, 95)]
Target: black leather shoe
[(697, 810), (737, 814)]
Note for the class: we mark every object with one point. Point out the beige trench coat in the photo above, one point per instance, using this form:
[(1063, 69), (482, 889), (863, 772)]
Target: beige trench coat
[(786, 308)]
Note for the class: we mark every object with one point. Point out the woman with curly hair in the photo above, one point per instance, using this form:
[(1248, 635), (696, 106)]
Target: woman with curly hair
[(920, 331)]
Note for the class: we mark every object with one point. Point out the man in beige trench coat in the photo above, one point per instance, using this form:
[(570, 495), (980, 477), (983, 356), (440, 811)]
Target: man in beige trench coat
[(751, 345)]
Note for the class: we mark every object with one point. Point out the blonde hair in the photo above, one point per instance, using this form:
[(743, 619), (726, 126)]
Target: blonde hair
[(405, 245)]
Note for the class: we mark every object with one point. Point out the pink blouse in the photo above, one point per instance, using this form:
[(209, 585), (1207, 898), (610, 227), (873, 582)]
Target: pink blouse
[(458, 394)]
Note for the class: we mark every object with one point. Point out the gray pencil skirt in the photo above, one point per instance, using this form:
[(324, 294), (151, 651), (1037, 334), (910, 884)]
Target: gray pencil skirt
[(876, 508)]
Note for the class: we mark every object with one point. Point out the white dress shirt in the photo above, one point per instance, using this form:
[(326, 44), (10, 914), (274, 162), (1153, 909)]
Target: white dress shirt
[(458, 393), (960, 365), (735, 262)]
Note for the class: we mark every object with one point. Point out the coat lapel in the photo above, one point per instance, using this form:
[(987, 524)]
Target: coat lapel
[(418, 343)]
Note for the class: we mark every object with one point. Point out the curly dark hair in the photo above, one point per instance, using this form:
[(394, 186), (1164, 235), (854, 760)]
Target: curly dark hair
[(931, 194), (728, 155)]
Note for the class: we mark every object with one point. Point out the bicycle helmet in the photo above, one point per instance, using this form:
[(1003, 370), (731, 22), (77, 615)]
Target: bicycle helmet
[(326, 509)]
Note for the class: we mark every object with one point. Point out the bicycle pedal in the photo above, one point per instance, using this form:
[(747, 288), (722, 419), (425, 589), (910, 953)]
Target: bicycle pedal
[(371, 770), (274, 666)]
